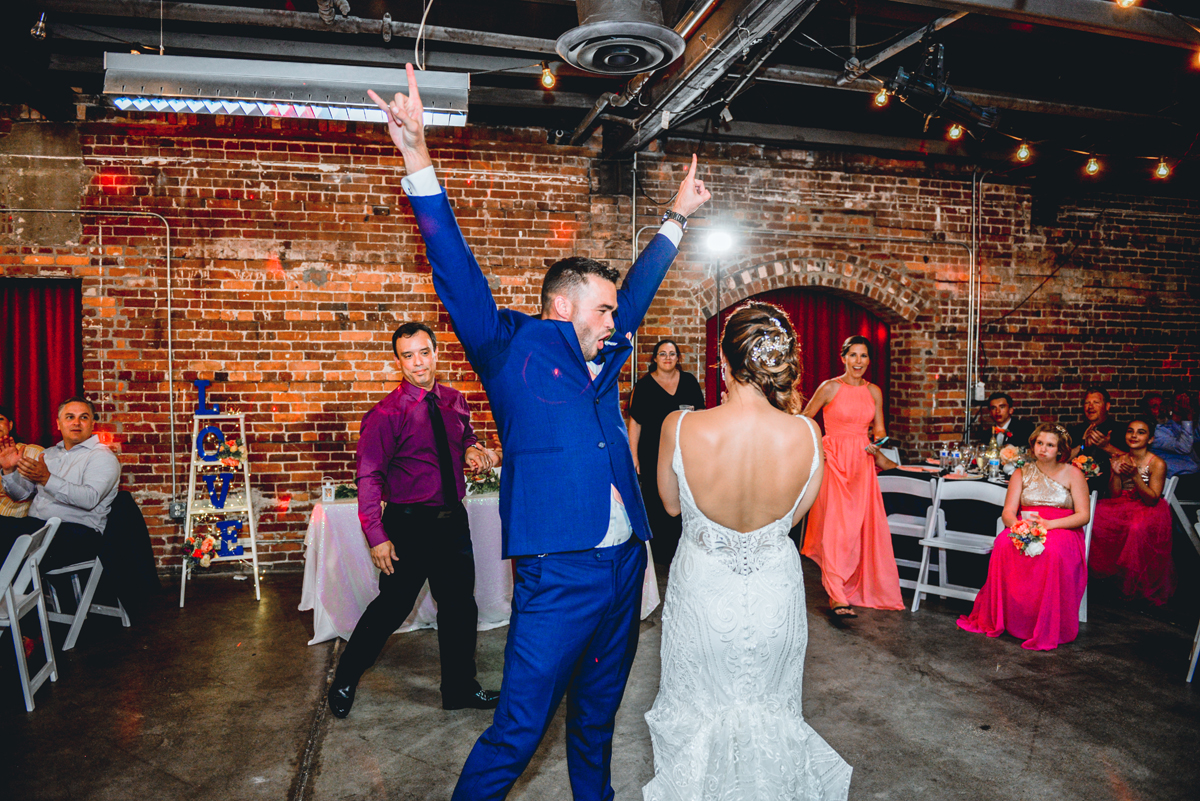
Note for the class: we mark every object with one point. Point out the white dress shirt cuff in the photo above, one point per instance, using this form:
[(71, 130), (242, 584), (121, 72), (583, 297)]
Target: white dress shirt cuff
[(673, 232), (421, 183)]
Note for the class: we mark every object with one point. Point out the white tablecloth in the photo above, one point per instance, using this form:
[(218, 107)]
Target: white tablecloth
[(340, 579)]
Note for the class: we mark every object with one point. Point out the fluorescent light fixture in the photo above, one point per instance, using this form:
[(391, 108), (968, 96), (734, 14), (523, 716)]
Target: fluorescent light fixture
[(276, 88)]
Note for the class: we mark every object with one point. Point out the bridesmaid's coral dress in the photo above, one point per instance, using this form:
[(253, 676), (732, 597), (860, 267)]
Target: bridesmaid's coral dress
[(847, 534)]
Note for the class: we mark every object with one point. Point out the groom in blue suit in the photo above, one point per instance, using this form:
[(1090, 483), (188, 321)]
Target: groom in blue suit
[(572, 515)]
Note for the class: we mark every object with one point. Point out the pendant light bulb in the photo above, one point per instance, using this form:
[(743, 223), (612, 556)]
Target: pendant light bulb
[(1127, 3), (38, 31), (882, 98), (955, 133), (1093, 166), (549, 80), (1023, 152), (1163, 170)]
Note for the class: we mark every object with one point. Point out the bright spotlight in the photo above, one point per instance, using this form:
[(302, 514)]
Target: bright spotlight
[(719, 241)]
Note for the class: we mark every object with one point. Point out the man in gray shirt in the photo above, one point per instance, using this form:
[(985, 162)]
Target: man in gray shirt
[(75, 481)]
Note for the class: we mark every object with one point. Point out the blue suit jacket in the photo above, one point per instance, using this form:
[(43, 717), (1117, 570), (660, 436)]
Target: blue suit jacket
[(564, 438)]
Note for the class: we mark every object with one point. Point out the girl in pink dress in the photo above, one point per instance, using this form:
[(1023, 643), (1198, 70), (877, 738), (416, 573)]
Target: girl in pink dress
[(1131, 538), (847, 534), (1036, 598)]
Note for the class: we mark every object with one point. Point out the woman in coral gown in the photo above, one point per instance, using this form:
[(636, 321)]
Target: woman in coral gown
[(1036, 598), (847, 534), (1131, 538)]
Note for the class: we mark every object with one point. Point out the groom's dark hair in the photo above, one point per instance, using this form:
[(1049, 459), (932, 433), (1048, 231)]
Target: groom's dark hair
[(566, 276)]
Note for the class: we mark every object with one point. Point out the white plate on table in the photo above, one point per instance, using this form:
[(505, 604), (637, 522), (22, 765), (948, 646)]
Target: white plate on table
[(918, 468), (967, 477)]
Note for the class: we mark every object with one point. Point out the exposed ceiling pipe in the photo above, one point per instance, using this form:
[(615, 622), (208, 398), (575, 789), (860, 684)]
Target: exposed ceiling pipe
[(855, 69), (686, 27)]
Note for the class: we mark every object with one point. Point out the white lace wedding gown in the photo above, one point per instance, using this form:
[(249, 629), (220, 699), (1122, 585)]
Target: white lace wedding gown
[(727, 722)]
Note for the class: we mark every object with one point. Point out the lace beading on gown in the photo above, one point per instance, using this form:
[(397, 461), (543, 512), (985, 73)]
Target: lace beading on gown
[(727, 723)]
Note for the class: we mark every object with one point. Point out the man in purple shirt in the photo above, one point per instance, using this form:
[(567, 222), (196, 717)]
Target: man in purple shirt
[(411, 449)]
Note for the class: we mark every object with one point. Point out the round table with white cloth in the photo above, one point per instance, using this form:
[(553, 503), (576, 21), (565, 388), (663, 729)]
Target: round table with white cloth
[(340, 579)]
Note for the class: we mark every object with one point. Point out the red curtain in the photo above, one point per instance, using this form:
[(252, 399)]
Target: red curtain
[(41, 352), (822, 321)]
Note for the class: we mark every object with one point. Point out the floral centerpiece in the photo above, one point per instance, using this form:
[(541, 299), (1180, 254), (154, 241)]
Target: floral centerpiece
[(231, 453), (1028, 536), (485, 479), (200, 550), (1089, 466), (344, 491), (1012, 458)]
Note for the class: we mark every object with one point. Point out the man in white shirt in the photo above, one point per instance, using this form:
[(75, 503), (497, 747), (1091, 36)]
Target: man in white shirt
[(75, 481)]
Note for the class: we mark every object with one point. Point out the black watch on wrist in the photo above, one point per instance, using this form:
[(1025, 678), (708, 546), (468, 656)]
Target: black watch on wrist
[(677, 217)]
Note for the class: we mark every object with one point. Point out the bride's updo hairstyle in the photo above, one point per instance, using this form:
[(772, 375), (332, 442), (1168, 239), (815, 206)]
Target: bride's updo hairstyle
[(760, 346)]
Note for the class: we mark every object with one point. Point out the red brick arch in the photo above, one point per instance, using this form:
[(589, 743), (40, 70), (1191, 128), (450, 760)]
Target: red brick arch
[(879, 284)]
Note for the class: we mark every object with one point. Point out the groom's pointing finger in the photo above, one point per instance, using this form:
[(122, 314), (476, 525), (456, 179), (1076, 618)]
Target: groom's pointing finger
[(379, 101), (414, 94)]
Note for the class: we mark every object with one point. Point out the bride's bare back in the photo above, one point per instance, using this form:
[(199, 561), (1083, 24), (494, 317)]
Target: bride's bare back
[(745, 461)]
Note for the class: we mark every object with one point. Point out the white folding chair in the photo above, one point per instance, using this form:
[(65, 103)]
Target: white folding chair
[(1194, 530), (943, 539), (83, 600), (1180, 513), (1087, 551), (21, 587), (904, 525)]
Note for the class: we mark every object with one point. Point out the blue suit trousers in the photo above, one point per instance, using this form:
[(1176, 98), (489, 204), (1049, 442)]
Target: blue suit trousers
[(573, 632)]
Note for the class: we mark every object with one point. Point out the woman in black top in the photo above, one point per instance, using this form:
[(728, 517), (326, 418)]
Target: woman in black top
[(661, 391)]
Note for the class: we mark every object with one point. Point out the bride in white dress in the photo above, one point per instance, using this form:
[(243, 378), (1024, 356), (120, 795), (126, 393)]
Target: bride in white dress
[(727, 722)]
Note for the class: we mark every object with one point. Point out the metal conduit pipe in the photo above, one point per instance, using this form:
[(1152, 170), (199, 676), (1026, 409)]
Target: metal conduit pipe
[(170, 331), (686, 27), (976, 327)]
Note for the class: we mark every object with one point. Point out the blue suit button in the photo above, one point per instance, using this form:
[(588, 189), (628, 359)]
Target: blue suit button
[(600, 445)]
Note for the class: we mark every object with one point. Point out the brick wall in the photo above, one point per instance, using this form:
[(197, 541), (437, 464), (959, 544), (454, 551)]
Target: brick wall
[(293, 257)]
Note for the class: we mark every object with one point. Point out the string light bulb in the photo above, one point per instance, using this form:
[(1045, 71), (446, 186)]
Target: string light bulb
[(1093, 166), (549, 80), (1163, 170), (955, 133), (882, 98), (1127, 3), (1023, 152)]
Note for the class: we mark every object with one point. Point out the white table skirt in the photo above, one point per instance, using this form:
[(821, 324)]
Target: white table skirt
[(340, 579)]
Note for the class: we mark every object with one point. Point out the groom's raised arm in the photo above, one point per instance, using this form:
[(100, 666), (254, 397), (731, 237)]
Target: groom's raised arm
[(644, 277), (457, 278)]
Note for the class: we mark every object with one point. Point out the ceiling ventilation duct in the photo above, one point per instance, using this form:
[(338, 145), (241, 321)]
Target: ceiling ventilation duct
[(620, 37)]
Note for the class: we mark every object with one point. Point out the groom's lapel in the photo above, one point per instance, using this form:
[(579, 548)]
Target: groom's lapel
[(571, 343)]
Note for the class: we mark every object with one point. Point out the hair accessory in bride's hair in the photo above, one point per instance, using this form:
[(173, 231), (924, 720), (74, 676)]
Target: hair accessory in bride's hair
[(770, 349)]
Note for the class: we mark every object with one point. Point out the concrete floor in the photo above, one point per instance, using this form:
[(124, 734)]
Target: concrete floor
[(223, 700)]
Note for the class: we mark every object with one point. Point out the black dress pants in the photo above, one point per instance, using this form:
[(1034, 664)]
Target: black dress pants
[(72, 543), (434, 544)]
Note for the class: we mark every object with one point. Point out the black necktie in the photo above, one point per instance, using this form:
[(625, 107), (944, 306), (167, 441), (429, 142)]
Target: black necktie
[(449, 490)]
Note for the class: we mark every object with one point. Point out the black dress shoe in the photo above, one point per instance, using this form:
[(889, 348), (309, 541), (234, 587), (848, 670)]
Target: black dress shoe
[(483, 699), (341, 698)]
